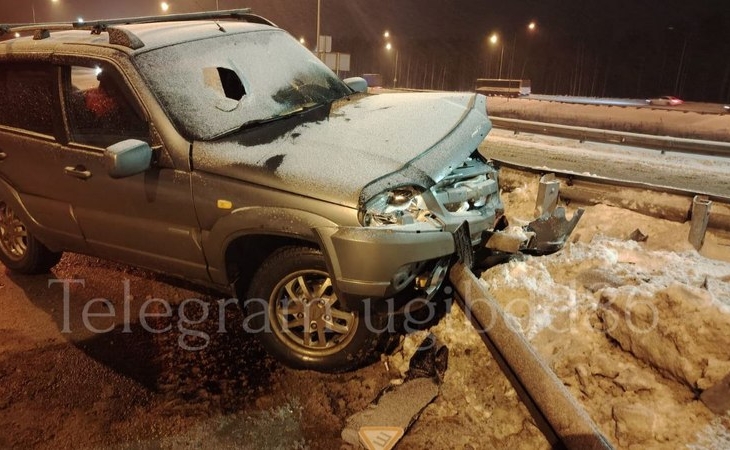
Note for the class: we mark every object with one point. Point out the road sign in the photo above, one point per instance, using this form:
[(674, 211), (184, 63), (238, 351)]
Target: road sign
[(336, 61), (324, 44), (380, 438)]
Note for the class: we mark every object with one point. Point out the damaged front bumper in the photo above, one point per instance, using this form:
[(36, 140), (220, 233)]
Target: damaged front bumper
[(381, 262), (544, 235)]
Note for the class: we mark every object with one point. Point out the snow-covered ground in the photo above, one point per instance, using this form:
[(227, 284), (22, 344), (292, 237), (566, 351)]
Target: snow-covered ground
[(698, 174), (663, 122), (636, 330)]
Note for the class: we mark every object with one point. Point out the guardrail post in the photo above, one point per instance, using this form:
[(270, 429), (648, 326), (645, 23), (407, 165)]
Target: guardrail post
[(547, 195), (700, 217)]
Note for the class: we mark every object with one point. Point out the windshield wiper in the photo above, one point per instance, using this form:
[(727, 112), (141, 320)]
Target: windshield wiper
[(281, 116), (297, 110)]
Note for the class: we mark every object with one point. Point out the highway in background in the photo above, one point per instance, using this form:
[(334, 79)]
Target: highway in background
[(707, 108)]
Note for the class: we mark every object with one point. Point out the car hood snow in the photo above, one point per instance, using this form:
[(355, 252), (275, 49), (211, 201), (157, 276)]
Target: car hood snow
[(365, 145)]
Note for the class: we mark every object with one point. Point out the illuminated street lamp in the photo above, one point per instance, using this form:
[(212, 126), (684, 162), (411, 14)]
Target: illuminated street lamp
[(531, 29), (389, 47), (302, 41), (164, 6), (494, 38)]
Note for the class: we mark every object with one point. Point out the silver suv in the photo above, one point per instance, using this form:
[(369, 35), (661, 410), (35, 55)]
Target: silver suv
[(215, 147)]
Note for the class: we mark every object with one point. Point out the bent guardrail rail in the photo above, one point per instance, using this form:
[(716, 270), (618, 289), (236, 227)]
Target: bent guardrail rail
[(557, 413)]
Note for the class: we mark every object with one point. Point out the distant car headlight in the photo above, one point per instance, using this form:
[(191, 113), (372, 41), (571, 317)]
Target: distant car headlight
[(400, 206)]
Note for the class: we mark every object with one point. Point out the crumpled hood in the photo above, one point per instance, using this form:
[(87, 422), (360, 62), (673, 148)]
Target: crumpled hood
[(364, 146)]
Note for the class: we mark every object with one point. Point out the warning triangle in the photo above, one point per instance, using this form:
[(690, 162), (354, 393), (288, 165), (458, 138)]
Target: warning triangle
[(380, 438)]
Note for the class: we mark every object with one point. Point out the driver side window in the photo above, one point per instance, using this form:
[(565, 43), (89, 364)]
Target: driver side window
[(100, 107)]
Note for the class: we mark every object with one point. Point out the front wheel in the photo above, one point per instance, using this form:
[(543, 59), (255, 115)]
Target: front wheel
[(294, 308), (19, 250)]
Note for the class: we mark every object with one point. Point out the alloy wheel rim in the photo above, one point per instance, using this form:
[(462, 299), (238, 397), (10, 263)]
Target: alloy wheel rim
[(13, 234), (306, 314)]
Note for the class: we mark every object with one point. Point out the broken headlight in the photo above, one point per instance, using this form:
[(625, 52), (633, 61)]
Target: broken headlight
[(400, 206)]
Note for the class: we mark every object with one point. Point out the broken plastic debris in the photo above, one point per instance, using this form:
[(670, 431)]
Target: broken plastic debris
[(397, 407), (551, 231)]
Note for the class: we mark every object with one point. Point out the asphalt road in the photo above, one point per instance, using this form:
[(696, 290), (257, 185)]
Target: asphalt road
[(114, 380)]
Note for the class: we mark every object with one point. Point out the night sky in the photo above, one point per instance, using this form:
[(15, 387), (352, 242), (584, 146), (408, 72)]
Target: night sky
[(621, 48)]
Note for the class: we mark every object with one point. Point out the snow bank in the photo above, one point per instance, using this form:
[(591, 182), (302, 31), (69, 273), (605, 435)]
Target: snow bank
[(635, 330), (681, 330), (675, 123)]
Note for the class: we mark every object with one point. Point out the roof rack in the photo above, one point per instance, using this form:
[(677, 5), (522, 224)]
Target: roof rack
[(124, 37)]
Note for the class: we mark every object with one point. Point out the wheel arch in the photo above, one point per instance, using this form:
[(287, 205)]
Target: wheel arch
[(239, 242), (247, 252)]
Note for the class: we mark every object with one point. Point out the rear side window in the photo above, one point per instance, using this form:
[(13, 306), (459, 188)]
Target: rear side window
[(26, 97)]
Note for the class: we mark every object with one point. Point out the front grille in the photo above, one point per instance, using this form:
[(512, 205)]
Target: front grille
[(468, 188)]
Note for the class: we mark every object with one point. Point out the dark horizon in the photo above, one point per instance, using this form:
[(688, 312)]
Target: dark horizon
[(580, 47)]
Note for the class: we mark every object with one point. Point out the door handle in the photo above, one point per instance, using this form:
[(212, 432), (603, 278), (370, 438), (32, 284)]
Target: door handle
[(79, 172), (3, 155)]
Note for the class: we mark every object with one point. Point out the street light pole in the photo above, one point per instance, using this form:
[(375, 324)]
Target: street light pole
[(389, 47), (680, 67), (319, 12), (32, 8), (494, 38), (501, 57), (531, 30), (395, 70), (512, 57)]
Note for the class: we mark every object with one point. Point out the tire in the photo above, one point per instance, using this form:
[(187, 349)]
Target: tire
[(19, 250), (292, 306)]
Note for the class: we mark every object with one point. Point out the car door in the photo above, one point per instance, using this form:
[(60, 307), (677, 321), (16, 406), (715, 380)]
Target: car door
[(31, 181), (145, 219)]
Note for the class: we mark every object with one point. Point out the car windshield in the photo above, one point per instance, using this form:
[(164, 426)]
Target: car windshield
[(212, 87)]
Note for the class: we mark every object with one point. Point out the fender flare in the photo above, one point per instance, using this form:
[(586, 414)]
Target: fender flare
[(271, 221)]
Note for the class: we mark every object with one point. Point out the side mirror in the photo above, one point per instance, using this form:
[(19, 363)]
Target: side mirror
[(127, 158), (357, 84)]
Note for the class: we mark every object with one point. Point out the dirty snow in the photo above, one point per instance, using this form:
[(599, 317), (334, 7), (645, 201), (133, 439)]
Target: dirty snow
[(662, 122), (696, 173), (634, 329)]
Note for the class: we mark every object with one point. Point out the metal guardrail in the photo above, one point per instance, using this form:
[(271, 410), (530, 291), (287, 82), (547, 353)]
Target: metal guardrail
[(662, 143), (557, 413)]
